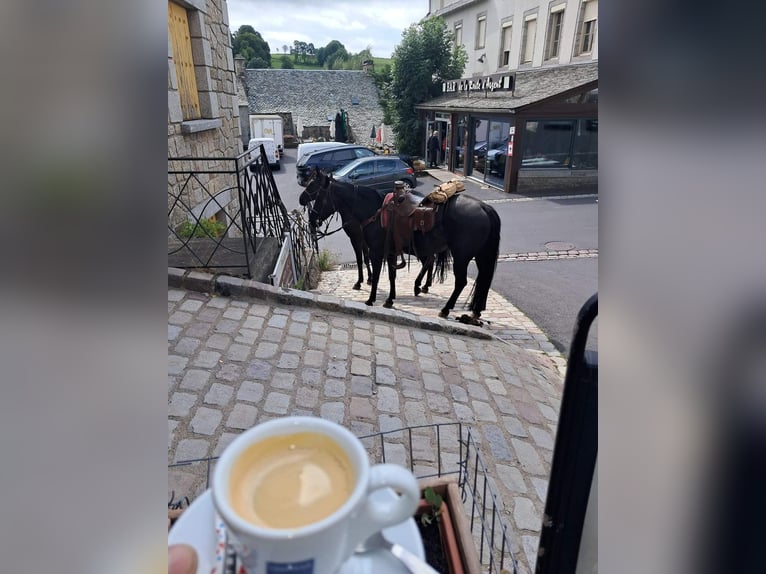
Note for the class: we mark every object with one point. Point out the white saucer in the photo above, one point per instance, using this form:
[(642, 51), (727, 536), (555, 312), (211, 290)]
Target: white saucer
[(201, 528)]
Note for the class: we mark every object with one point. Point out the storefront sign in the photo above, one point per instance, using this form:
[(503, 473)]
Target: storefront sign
[(484, 84)]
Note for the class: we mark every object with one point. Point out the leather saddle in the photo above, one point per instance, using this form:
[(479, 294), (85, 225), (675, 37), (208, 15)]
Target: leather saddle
[(403, 214)]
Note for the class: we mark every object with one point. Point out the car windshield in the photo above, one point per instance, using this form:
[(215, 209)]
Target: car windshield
[(349, 166)]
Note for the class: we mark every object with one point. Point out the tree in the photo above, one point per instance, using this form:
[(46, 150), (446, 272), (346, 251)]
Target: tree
[(249, 44), (287, 63), (284, 48), (420, 63), (334, 55)]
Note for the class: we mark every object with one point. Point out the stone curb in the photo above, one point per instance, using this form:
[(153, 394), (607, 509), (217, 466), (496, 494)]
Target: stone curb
[(227, 286)]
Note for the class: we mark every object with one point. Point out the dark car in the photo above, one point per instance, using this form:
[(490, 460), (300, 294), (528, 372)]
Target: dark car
[(329, 160), (378, 172)]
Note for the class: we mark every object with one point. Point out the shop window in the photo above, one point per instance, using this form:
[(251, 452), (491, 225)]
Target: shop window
[(555, 19), (481, 31), (586, 28), (585, 146), (547, 144), (180, 38), (505, 44), (528, 39)]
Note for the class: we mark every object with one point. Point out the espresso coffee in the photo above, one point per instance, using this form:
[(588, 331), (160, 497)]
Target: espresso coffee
[(290, 481)]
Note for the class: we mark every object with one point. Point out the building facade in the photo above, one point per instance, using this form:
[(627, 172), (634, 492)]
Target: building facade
[(203, 112), (524, 116)]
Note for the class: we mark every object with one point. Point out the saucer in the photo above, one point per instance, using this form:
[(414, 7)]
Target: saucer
[(201, 528)]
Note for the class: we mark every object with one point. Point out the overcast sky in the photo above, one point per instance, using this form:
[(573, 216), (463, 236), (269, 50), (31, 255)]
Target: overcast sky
[(356, 24)]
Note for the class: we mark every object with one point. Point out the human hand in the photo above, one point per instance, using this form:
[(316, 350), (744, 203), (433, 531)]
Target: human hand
[(182, 559)]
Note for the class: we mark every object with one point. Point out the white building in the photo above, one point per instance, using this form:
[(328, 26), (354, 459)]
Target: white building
[(539, 113)]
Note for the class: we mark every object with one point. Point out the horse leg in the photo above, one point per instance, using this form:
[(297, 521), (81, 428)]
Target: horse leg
[(392, 279), (426, 267), (460, 267), (366, 255), (377, 264), (430, 276), (359, 267)]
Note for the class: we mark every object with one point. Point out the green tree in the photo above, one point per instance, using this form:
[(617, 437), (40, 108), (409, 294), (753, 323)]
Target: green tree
[(424, 59), (248, 43), (287, 63), (334, 55)]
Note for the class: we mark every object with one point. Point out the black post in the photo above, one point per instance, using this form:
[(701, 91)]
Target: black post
[(574, 455)]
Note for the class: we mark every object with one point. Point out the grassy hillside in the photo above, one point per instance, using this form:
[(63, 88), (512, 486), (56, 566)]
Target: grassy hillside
[(276, 62)]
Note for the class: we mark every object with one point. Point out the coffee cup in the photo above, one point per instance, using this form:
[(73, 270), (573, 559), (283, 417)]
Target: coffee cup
[(295, 495)]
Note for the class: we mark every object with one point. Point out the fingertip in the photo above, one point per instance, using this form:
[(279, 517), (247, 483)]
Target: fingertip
[(182, 559)]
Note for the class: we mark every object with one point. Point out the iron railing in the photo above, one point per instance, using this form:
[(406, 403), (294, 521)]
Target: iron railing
[(435, 451), (221, 210)]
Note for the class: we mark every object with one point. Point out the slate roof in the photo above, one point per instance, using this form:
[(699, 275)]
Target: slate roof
[(532, 86), (315, 94)]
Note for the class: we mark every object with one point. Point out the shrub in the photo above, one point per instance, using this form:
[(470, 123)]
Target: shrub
[(202, 228)]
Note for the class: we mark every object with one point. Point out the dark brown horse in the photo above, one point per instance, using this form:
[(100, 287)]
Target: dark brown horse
[(471, 227)]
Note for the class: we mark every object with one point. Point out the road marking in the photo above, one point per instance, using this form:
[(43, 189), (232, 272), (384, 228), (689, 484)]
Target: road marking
[(529, 256), (551, 197)]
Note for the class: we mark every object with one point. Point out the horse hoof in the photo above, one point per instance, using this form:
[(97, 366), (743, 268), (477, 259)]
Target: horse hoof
[(369, 282), (357, 286), (443, 314), (425, 289), (388, 304), (368, 302), (417, 291)]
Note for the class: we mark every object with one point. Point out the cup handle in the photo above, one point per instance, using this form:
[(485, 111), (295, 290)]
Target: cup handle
[(377, 515)]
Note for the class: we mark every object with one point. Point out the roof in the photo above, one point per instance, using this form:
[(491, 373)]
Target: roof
[(314, 94), (531, 87)]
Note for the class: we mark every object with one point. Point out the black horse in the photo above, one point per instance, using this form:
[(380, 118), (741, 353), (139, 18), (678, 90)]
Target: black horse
[(354, 232), (471, 227)]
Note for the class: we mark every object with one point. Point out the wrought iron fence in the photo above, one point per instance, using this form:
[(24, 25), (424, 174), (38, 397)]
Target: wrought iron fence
[(435, 451), (222, 210)]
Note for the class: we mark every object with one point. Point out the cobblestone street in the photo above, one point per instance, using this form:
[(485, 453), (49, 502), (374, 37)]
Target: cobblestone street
[(234, 362)]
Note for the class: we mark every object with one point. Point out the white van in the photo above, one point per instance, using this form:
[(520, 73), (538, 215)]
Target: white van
[(271, 150)]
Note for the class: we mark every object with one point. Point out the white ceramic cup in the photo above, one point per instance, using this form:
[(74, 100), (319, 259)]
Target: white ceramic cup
[(320, 547)]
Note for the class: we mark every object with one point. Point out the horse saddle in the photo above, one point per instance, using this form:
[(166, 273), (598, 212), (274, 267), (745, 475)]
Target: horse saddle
[(403, 214)]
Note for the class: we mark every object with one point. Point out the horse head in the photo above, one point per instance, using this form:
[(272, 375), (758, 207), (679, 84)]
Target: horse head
[(319, 194)]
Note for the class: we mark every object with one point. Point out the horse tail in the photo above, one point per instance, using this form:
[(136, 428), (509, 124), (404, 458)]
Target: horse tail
[(486, 262), (443, 263)]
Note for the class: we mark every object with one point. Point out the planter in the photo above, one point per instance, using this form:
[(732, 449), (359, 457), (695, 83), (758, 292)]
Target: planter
[(454, 534)]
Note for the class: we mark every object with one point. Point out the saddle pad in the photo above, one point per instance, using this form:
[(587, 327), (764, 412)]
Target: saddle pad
[(384, 208)]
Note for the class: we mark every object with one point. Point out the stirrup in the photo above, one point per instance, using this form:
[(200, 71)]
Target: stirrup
[(402, 264)]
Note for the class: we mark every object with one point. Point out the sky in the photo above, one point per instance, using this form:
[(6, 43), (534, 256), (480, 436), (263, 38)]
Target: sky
[(356, 24)]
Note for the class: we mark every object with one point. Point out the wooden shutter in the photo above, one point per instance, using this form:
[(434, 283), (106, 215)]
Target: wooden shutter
[(178, 29)]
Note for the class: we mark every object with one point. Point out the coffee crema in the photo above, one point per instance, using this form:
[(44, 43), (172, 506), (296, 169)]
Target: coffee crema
[(290, 481)]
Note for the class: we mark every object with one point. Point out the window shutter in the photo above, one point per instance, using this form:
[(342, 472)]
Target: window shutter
[(529, 46), (178, 28), (591, 11)]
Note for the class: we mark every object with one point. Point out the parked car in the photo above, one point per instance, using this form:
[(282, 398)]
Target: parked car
[(329, 160), (378, 172), (311, 147)]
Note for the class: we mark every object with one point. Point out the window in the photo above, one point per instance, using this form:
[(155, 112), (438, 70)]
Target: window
[(587, 27), (180, 38), (555, 19), (363, 152), (505, 45), (528, 39), (548, 144), (459, 34), (481, 31)]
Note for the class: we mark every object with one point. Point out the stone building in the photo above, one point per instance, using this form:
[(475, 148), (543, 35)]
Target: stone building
[(308, 101), (203, 113)]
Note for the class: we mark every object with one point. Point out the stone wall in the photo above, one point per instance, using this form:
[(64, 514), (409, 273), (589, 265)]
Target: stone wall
[(216, 134)]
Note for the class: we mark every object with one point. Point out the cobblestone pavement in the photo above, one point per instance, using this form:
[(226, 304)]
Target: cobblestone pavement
[(501, 318), (235, 363)]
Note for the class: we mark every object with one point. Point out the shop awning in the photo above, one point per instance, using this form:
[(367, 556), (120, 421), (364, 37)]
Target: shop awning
[(531, 87)]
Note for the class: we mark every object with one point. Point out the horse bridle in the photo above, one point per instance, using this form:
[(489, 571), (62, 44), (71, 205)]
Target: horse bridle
[(313, 210)]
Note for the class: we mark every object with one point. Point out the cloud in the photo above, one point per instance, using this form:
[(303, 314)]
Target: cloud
[(376, 23)]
